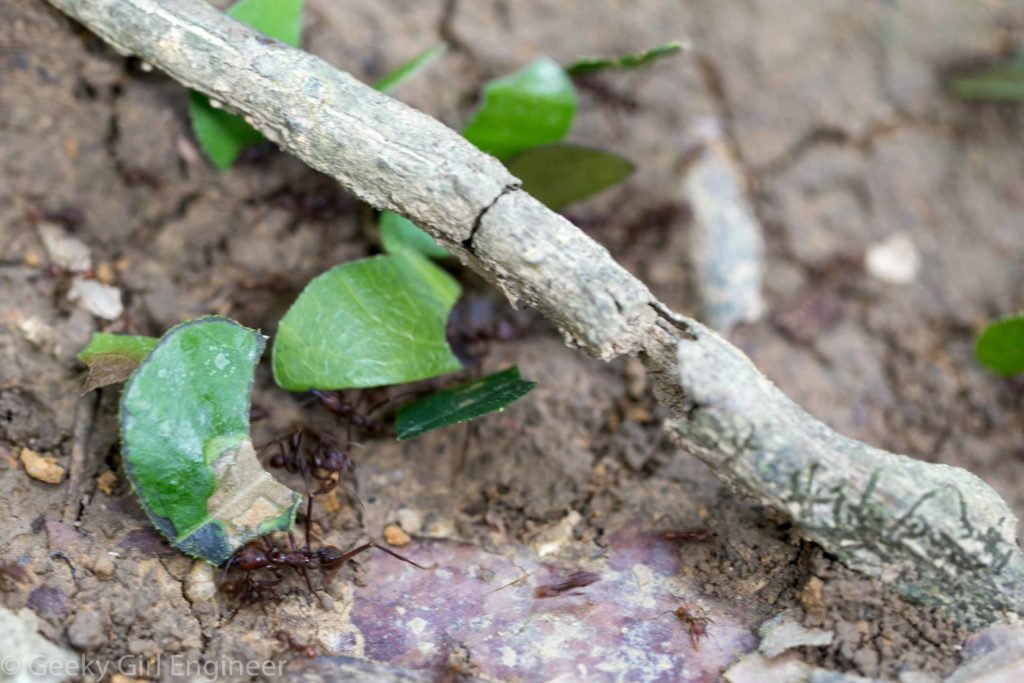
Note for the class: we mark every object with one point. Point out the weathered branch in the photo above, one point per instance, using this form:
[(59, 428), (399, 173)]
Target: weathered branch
[(939, 533)]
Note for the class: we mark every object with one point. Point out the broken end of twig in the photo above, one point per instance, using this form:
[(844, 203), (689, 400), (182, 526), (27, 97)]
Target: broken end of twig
[(938, 534)]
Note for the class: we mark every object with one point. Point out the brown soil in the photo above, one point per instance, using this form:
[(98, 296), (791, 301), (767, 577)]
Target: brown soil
[(840, 121)]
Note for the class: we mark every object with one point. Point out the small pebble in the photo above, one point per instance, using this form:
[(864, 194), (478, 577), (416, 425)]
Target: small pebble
[(199, 584), (103, 566), (894, 260), (410, 520), (42, 467), (87, 630), (105, 273), (97, 298), (121, 678), (394, 535), (107, 482)]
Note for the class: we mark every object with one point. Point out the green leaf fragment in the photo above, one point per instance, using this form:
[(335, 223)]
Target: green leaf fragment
[(560, 174), (279, 19), (533, 106), (630, 61), (398, 232), (112, 358), (135, 347), (222, 135), (395, 78), (461, 404), (186, 443), (373, 322), (1001, 83), (1000, 346)]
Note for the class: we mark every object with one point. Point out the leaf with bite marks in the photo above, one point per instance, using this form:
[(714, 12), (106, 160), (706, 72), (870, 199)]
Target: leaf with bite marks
[(186, 443)]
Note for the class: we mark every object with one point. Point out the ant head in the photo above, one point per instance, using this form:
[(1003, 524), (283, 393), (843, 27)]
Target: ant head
[(334, 459)]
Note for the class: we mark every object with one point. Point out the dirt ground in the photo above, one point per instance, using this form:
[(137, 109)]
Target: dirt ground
[(837, 113)]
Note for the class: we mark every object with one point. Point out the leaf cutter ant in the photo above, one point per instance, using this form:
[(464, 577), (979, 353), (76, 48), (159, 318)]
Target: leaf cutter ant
[(261, 555), (314, 456), (693, 618)]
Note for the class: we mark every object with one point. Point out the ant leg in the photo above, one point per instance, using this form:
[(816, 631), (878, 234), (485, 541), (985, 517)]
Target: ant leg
[(300, 568), (460, 464), (393, 554)]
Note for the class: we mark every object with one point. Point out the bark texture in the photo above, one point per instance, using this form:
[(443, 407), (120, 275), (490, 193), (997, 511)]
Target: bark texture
[(939, 533)]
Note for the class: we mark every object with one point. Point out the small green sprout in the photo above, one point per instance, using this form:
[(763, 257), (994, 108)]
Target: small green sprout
[(586, 65)]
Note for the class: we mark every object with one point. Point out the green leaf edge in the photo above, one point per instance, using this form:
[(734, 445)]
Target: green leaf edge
[(232, 133), (133, 346), (394, 237), (473, 128), (632, 60), (982, 346), (519, 388), (1001, 82), (403, 73), (511, 164)]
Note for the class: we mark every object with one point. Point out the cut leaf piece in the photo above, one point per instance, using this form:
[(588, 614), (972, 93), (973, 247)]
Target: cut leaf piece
[(1000, 83), (135, 347), (373, 322), (533, 106), (392, 80), (221, 135), (1000, 346), (279, 19), (460, 404), (560, 174), (631, 61), (112, 358), (186, 445), (398, 232)]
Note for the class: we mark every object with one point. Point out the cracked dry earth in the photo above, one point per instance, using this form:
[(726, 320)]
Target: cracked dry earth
[(837, 115)]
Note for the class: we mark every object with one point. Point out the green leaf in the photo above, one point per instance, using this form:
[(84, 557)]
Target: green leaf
[(112, 358), (1000, 346), (373, 322), (1004, 82), (279, 19), (462, 403), (186, 445), (630, 61), (531, 107), (221, 135), (398, 232), (135, 347), (560, 174), (395, 78)]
